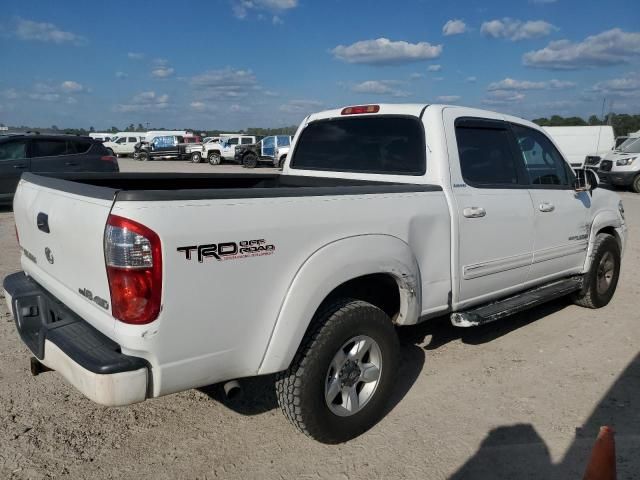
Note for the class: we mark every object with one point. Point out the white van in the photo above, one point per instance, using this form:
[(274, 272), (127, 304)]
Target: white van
[(578, 143)]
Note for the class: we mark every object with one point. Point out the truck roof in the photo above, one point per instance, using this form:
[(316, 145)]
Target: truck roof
[(416, 109)]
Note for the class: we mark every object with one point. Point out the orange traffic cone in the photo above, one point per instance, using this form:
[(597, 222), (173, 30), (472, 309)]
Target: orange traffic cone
[(602, 464)]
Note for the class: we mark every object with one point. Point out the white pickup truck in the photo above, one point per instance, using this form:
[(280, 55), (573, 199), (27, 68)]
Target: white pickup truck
[(141, 285)]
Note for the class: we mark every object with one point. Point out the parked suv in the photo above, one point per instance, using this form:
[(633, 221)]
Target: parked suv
[(49, 153)]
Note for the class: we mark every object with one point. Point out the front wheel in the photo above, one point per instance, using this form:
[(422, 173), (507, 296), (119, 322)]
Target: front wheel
[(214, 158), (342, 376), (196, 157), (635, 186), (601, 280), (143, 156), (250, 160)]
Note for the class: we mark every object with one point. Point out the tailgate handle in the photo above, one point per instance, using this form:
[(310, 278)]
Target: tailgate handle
[(43, 222)]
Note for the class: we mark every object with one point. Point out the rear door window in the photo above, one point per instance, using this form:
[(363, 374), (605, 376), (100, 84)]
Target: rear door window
[(487, 155), (49, 147), (79, 146), (382, 144), (246, 141), (132, 140)]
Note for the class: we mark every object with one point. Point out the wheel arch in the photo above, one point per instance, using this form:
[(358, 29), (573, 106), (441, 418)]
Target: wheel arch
[(607, 222), (360, 266)]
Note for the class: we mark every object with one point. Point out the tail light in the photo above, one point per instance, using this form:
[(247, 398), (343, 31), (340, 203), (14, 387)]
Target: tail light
[(109, 158), (133, 255), (361, 109)]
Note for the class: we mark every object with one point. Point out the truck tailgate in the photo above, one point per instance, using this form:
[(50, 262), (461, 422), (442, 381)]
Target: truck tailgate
[(61, 238)]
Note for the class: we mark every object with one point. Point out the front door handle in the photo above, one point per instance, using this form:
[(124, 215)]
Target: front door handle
[(546, 207), (474, 212)]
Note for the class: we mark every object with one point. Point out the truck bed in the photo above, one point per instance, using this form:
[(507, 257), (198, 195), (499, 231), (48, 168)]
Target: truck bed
[(187, 186)]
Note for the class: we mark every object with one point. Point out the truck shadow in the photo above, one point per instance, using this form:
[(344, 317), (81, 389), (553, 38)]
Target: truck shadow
[(437, 332), (258, 393), (518, 451)]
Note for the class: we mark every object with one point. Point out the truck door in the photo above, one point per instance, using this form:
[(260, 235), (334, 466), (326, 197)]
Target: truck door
[(561, 229), (229, 148), (268, 147), (13, 161), (492, 209)]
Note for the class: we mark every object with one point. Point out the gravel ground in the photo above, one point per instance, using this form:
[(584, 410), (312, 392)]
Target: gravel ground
[(522, 398)]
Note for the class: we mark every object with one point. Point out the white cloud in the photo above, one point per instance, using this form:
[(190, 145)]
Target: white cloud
[(625, 86), (448, 98), (383, 51), (135, 56), (226, 83), (471, 79), (520, 85), (69, 86), (276, 20), (560, 84), (45, 32), (46, 97), (511, 84), (241, 8), (11, 94), (611, 47), (236, 108), (513, 29), (121, 75), (503, 97), (380, 87), (301, 107), (434, 68), (416, 76), (144, 102), (454, 27), (162, 72)]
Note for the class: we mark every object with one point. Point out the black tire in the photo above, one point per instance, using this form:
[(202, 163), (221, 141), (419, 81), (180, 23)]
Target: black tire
[(250, 160), (196, 157), (281, 162), (143, 156), (214, 158), (635, 186), (301, 388), (597, 290)]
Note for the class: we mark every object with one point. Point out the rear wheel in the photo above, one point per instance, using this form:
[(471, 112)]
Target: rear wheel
[(341, 378), (635, 186), (196, 157), (214, 158), (601, 280), (250, 160)]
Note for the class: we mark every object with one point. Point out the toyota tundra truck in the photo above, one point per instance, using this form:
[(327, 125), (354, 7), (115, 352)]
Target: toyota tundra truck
[(136, 286)]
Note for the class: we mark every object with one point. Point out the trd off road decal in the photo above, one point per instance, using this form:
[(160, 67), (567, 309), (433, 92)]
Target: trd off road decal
[(228, 250)]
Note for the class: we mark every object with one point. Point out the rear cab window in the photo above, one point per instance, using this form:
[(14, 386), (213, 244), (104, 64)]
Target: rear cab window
[(388, 144)]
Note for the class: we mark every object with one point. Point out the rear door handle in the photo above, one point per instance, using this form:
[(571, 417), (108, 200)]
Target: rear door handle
[(546, 207), (20, 165), (474, 212)]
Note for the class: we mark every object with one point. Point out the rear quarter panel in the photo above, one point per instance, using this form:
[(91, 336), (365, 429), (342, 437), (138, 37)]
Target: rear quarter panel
[(218, 317)]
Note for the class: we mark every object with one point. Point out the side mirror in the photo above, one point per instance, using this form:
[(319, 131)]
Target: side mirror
[(586, 180)]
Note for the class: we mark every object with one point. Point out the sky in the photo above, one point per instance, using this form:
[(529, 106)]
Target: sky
[(233, 64)]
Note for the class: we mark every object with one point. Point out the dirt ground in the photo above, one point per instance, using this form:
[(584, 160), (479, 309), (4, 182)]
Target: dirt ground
[(522, 398)]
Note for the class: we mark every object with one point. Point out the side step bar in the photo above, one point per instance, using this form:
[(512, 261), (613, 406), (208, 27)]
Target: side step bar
[(523, 301)]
